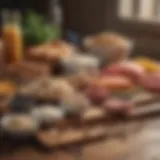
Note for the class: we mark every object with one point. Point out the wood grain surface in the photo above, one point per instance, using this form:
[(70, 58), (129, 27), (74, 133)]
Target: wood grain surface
[(138, 140)]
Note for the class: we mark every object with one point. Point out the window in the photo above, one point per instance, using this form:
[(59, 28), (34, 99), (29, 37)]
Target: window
[(143, 10), (140, 21)]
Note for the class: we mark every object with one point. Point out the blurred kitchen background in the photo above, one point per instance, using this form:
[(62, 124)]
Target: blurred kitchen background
[(137, 19)]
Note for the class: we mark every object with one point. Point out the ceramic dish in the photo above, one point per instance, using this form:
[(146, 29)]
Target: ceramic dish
[(21, 103), (18, 125), (108, 47), (75, 105), (80, 63), (47, 114)]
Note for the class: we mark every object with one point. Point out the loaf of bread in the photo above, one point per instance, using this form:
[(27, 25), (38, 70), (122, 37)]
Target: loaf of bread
[(50, 52)]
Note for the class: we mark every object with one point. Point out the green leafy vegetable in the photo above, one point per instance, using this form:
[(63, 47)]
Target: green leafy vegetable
[(36, 31)]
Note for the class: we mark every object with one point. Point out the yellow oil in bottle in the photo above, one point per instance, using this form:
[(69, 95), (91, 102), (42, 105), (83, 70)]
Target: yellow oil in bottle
[(12, 38)]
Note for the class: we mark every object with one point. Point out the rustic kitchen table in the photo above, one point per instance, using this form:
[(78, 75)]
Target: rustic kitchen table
[(137, 140)]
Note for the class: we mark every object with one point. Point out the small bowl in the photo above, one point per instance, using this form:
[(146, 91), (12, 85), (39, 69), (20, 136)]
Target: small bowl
[(108, 47), (21, 103), (47, 114), (18, 125), (80, 63), (75, 106)]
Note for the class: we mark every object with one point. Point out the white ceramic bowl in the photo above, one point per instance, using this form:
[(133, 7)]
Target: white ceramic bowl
[(47, 114), (80, 63), (112, 47), (19, 124)]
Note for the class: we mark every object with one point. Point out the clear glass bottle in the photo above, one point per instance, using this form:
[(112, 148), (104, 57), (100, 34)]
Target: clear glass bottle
[(2, 65), (12, 37), (57, 16)]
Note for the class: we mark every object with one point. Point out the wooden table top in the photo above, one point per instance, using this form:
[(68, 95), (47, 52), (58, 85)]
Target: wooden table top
[(138, 140)]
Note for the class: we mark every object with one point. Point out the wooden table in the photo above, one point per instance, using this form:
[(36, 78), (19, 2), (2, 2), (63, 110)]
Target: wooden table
[(131, 142)]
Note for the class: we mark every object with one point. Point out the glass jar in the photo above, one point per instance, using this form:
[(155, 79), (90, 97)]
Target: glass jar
[(1, 58), (12, 38)]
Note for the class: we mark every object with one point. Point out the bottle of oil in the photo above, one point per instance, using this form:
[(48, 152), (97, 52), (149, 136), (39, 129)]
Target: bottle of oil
[(12, 37), (1, 58)]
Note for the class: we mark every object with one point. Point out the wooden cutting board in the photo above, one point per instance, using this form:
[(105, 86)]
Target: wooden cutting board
[(95, 124), (102, 125)]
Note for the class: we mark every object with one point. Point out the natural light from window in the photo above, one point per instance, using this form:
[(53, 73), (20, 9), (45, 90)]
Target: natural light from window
[(144, 10)]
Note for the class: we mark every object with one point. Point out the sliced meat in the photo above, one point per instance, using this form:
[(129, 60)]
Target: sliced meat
[(97, 95), (151, 82), (114, 82), (128, 69), (118, 106)]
